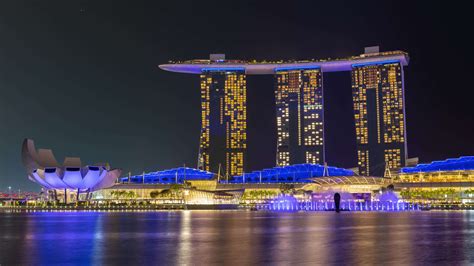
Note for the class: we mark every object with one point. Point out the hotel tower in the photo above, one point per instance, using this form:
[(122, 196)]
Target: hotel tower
[(223, 139), (299, 111), (378, 101), (379, 115)]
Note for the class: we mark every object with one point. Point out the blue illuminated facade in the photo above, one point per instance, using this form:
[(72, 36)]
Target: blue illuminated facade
[(277, 69), (454, 164), (223, 69), (171, 176), (298, 173), (377, 63)]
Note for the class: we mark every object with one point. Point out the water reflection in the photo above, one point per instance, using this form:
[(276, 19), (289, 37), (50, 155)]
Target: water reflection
[(184, 241), (237, 237)]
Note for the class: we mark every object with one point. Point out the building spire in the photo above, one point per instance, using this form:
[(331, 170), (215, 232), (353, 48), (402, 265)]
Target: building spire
[(387, 172), (326, 170)]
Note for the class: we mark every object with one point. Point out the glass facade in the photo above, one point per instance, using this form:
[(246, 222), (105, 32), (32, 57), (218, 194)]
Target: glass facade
[(299, 111), (379, 115), (223, 140)]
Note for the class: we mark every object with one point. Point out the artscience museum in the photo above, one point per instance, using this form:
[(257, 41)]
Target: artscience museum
[(43, 168)]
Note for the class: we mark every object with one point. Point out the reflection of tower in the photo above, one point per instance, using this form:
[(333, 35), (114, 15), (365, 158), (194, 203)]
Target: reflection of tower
[(224, 120), (379, 114), (299, 109)]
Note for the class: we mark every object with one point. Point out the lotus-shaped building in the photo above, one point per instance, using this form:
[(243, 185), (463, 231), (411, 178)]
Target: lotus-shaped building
[(43, 169)]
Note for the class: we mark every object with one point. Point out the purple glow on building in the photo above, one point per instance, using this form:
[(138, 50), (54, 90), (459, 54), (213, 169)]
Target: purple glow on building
[(270, 68)]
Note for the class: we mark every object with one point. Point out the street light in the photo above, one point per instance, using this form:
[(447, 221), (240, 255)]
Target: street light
[(10, 194)]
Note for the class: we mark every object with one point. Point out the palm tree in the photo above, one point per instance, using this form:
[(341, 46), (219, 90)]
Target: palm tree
[(287, 188), (175, 188), (154, 194)]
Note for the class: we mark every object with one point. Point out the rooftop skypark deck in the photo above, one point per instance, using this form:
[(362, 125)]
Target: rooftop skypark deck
[(254, 67)]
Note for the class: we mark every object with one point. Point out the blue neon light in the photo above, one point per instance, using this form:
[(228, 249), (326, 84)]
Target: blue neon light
[(376, 63), (454, 164), (222, 69), (277, 69), (171, 176), (298, 173)]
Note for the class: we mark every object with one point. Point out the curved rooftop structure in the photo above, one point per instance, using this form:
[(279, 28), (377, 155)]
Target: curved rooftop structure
[(455, 164), (298, 173), (171, 176), (42, 168), (351, 180), (219, 64)]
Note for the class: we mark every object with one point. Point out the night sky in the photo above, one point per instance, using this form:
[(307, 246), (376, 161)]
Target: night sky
[(81, 77)]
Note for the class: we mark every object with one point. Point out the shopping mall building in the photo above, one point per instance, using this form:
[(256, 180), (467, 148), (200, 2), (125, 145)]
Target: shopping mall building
[(449, 181)]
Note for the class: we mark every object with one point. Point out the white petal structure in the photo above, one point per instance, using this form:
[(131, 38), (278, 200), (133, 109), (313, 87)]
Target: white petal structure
[(39, 179), (43, 169)]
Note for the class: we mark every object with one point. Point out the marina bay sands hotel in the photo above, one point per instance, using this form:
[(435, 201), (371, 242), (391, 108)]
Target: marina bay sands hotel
[(378, 101)]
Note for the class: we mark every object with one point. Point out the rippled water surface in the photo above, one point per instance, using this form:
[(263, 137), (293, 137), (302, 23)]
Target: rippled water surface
[(237, 238)]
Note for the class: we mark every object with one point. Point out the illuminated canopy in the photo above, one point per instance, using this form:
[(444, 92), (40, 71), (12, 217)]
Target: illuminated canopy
[(298, 173), (171, 176), (43, 169), (455, 164), (351, 180)]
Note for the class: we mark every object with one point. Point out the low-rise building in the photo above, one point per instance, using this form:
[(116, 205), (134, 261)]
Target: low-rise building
[(450, 181)]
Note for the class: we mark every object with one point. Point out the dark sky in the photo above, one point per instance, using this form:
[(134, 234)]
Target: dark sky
[(80, 77)]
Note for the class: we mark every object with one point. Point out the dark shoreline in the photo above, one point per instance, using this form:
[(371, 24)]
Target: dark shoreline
[(122, 208), (172, 207)]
